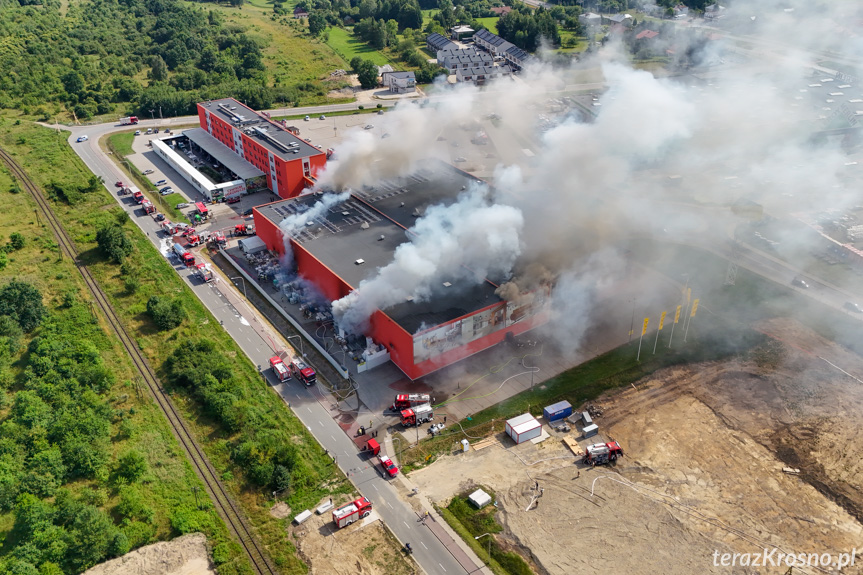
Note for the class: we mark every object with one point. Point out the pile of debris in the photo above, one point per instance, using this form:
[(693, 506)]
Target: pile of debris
[(593, 410), (338, 73)]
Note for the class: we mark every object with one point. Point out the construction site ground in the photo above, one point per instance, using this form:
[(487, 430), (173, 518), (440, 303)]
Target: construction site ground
[(365, 548), (735, 456)]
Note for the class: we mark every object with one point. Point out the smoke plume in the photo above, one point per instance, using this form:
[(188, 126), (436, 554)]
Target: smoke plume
[(295, 222)]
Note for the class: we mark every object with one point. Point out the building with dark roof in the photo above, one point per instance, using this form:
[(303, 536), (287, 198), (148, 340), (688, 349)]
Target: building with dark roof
[(436, 42), (346, 245), (491, 43), (646, 34), (481, 74), (454, 60), (399, 82), (501, 10), (289, 162), (300, 13)]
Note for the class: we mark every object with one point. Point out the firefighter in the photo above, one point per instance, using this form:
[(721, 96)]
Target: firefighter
[(408, 548)]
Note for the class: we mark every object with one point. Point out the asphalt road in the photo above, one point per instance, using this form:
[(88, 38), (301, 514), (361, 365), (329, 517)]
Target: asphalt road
[(239, 320)]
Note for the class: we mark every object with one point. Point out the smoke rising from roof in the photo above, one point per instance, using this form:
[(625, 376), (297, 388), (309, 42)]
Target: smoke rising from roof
[(742, 129), (296, 222)]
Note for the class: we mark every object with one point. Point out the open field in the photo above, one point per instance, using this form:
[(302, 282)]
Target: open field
[(346, 45), (705, 446), (48, 158), (490, 22)]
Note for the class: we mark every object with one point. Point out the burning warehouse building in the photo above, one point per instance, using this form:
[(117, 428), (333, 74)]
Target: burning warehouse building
[(338, 242)]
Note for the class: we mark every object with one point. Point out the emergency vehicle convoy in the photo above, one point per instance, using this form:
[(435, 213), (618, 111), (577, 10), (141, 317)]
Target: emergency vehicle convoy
[(282, 373), (408, 400), (350, 512)]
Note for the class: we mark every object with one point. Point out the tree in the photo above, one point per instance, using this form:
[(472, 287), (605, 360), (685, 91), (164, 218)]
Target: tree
[(317, 23), (113, 241), (73, 83), (158, 69), (131, 466), (23, 303), (166, 314), (367, 74), (89, 538)]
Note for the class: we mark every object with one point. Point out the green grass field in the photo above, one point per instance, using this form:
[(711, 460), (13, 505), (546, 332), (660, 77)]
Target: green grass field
[(47, 156), (489, 22), (349, 47)]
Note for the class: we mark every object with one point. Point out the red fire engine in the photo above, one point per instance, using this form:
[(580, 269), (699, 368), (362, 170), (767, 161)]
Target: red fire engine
[(350, 512), (282, 373)]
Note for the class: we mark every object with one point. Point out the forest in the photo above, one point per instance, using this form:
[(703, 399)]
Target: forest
[(137, 56)]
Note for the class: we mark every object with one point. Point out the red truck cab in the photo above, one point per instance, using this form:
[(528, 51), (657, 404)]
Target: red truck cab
[(282, 373), (389, 467)]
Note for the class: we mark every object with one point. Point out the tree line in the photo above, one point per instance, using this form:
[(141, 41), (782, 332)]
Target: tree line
[(91, 60)]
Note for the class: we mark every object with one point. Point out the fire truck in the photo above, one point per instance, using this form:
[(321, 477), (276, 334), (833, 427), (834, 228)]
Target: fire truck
[(303, 372), (139, 197), (244, 230), (185, 255), (602, 453), (129, 120), (148, 206), (205, 272), (350, 512), (417, 415), (408, 400), (282, 373)]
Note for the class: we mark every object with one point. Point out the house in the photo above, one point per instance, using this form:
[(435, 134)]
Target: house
[(501, 10), (436, 42), (612, 19), (300, 12), (452, 60), (516, 58), (680, 11), (384, 69), (460, 32), (481, 74), (399, 82), (491, 43), (590, 19), (646, 35), (714, 11)]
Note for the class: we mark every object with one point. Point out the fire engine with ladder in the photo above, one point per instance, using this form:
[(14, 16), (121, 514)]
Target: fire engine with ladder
[(408, 400)]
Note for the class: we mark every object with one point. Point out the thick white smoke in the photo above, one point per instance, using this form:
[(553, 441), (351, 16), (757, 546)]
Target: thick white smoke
[(464, 242), (739, 129), (295, 222)]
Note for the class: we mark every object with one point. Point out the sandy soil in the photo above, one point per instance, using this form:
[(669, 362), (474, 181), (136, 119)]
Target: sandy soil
[(705, 450), (365, 548), (186, 555)]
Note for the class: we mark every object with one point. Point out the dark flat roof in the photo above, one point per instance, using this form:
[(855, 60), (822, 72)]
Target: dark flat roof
[(338, 240), (274, 137), (223, 154)]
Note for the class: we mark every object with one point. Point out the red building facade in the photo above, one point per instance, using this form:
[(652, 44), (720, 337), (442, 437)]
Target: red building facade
[(289, 162)]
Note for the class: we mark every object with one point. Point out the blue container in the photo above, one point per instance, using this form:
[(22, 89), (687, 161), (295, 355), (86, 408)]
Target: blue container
[(559, 410)]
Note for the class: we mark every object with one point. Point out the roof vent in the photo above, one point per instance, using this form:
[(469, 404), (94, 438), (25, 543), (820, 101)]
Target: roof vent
[(310, 223), (364, 225), (360, 262), (402, 205), (346, 213), (380, 239), (410, 298), (447, 284)]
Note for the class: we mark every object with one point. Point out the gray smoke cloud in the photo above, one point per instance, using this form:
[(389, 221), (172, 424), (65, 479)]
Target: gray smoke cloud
[(463, 242), (739, 125)]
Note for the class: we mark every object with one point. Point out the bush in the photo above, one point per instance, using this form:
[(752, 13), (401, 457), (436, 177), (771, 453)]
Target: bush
[(165, 313), (16, 241), (221, 553), (113, 241), (133, 506), (131, 466), (184, 520), (23, 303)]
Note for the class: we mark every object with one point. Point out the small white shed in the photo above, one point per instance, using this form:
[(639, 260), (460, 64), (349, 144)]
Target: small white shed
[(479, 498), (252, 245), (523, 428)]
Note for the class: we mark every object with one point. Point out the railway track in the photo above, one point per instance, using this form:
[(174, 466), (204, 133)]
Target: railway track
[(225, 506)]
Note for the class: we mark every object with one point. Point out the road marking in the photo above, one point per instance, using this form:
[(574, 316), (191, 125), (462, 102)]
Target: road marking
[(441, 566), (391, 507), (333, 438), (423, 544), (406, 525), (321, 422), (375, 486), (309, 408)]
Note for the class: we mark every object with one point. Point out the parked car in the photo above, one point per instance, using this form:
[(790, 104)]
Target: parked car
[(137, 132), (149, 130), (167, 192), (369, 127), (119, 184), (166, 188), (181, 206), (851, 306), (799, 283), (160, 217), (248, 212), (156, 131), (461, 159), (323, 117), (233, 200), (307, 118), (147, 172), (161, 183), (82, 138)]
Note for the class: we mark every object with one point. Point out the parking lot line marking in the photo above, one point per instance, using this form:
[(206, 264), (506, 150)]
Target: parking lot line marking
[(442, 567), (423, 544)]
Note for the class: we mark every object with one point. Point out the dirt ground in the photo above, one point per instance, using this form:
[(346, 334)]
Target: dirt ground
[(365, 548), (186, 555), (705, 449)]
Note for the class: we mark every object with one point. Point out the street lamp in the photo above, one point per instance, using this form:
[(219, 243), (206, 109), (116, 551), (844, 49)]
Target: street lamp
[(244, 284), (152, 117), (489, 543), (290, 337)]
